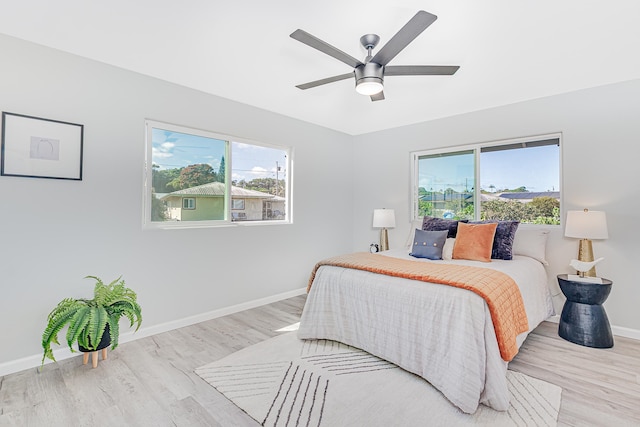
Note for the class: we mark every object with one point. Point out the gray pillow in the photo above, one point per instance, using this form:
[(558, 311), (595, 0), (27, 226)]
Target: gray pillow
[(430, 223), (428, 244)]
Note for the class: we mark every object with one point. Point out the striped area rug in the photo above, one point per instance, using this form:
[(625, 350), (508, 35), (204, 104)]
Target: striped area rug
[(285, 381)]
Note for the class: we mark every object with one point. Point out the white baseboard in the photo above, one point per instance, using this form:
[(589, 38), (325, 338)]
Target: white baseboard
[(620, 331), (625, 332), (35, 361)]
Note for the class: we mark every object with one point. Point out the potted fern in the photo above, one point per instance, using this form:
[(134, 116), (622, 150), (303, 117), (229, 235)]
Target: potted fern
[(93, 323)]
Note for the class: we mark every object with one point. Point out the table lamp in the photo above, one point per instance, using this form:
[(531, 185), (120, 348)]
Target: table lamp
[(383, 219), (586, 225)]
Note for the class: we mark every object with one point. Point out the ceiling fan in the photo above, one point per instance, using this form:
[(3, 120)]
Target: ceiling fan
[(370, 74)]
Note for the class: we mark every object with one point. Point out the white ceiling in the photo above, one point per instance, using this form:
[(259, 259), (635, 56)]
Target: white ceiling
[(508, 51)]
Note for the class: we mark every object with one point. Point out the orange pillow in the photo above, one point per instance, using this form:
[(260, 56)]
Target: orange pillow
[(474, 241)]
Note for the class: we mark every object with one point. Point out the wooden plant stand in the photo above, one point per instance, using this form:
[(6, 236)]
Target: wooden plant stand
[(94, 357)]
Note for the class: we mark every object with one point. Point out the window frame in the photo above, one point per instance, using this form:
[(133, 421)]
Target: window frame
[(190, 206), (239, 202), (477, 148), (148, 224)]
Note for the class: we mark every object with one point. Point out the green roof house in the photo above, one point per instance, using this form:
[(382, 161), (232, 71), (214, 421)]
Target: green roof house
[(206, 202)]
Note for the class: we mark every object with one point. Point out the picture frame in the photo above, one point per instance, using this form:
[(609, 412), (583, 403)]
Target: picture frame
[(35, 147)]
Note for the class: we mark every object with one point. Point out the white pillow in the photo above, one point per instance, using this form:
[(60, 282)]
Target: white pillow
[(447, 249), (416, 223), (531, 242)]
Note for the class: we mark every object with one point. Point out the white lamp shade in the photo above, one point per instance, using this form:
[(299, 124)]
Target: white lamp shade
[(586, 224), (384, 218)]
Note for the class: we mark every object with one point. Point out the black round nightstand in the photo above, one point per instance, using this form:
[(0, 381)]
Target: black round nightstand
[(583, 320)]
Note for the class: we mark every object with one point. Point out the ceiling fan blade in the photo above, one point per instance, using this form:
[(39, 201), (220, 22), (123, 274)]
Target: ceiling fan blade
[(325, 81), (402, 38), (378, 96), (322, 46), (420, 70)]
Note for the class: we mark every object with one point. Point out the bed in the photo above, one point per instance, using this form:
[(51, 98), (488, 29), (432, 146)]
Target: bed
[(442, 333)]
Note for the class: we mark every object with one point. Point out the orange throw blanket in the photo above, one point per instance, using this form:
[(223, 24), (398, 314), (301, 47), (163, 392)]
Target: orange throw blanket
[(498, 289)]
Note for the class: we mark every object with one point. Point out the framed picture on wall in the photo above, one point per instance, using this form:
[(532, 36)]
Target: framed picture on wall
[(34, 147)]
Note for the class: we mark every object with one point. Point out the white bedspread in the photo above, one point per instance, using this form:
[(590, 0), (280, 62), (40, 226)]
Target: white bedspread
[(442, 333)]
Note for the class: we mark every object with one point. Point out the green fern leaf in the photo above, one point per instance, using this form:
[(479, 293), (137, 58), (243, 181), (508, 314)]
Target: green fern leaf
[(114, 331), (57, 319), (77, 326), (95, 329)]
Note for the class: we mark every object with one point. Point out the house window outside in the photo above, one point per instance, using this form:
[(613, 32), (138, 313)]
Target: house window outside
[(188, 203), (195, 178), (446, 182), (267, 184), (516, 180)]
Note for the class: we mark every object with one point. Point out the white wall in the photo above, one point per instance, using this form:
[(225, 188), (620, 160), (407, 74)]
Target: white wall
[(55, 232), (600, 171)]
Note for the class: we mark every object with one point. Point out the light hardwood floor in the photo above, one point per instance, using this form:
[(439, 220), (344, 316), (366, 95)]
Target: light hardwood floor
[(150, 382)]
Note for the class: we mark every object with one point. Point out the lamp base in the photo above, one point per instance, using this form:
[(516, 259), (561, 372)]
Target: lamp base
[(585, 253), (384, 240)]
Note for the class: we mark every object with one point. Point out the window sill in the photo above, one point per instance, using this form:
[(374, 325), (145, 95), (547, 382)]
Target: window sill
[(177, 225)]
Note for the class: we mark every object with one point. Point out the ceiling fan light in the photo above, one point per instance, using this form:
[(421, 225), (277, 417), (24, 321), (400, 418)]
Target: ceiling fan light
[(369, 86)]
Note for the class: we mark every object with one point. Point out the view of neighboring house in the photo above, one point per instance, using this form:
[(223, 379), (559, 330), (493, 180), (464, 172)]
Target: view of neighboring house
[(206, 202), (525, 196), (441, 201), (448, 204)]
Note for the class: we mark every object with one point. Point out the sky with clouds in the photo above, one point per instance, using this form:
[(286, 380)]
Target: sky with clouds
[(172, 150), (537, 169)]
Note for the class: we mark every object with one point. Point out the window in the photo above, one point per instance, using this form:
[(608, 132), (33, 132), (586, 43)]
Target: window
[(516, 180), (446, 182), (188, 203), (196, 178), (259, 175)]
